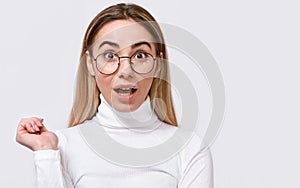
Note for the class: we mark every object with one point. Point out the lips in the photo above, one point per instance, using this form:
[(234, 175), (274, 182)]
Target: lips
[(125, 91)]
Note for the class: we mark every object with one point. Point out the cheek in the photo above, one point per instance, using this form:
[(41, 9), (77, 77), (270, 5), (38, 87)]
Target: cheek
[(104, 83), (145, 84)]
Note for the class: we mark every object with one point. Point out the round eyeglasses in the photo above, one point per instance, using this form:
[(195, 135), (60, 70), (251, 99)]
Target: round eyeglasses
[(140, 62)]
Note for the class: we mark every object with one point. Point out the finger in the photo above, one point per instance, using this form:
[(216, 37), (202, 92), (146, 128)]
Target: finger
[(35, 124), (35, 127), (21, 129), (26, 121), (32, 127), (25, 127), (21, 126), (39, 124), (29, 127), (43, 129), (38, 121)]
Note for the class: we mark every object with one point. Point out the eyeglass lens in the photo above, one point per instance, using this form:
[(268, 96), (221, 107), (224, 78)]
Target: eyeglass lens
[(141, 62)]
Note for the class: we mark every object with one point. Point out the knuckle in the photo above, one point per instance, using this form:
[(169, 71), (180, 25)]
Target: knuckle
[(34, 119)]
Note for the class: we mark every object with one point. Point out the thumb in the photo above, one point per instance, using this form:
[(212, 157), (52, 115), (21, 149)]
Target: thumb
[(41, 120), (43, 129)]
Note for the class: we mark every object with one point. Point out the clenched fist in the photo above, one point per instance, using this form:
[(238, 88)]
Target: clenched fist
[(33, 134)]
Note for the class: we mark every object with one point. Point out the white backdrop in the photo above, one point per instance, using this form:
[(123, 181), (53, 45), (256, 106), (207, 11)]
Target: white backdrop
[(256, 45)]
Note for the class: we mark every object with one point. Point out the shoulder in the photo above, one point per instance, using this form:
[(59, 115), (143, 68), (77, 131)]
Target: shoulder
[(64, 134), (167, 128), (193, 142), (193, 151), (70, 135)]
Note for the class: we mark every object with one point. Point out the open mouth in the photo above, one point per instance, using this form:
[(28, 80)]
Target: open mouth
[(125, 91)]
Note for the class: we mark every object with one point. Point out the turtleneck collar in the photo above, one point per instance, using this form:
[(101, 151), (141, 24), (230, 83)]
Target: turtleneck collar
[(142, 119)]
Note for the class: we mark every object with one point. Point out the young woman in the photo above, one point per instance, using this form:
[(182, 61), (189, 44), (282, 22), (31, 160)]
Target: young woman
[(122, 86)]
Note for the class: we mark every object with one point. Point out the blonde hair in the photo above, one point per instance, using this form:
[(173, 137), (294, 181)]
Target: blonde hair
[(87, 100)]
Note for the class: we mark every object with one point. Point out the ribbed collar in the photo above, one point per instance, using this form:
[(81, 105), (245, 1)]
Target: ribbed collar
[(142, 119)]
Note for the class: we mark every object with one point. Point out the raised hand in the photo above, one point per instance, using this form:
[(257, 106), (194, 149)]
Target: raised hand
[(33, 134)]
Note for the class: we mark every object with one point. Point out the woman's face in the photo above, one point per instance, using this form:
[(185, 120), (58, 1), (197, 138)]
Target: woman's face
[(125, 90)]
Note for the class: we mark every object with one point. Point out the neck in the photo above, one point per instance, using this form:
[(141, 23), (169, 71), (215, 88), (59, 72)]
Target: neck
[(142, 119)]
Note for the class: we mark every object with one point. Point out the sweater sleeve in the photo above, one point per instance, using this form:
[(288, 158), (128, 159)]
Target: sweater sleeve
[(197, 166), (51, 170)]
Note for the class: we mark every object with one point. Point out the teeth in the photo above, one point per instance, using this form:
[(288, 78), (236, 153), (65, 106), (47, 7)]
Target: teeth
[(125, 91)]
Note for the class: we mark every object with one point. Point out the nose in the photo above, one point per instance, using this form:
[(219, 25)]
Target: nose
[(125, 70)]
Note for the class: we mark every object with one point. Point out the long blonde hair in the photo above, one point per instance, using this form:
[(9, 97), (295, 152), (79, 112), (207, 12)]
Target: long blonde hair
[(87, 100)]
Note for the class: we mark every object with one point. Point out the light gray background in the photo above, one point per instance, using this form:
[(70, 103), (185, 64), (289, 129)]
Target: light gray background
[(256, 44)]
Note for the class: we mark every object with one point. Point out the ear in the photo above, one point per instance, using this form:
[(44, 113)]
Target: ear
[(89, 63), (159, 65)]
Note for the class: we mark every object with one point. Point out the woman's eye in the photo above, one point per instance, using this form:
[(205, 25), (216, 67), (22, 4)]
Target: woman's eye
[(109, 55), (141, 55)]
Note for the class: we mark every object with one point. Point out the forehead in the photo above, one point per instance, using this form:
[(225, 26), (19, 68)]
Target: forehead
[(123, 32)]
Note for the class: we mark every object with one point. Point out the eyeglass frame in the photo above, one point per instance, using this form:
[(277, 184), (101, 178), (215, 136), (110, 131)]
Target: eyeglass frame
[(128, 57)]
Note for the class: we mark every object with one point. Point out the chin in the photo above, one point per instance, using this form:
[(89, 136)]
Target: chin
[(124, 107)]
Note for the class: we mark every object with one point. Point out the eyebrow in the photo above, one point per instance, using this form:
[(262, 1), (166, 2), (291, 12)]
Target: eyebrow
[(140, 44), (109, 43), (118, 46)]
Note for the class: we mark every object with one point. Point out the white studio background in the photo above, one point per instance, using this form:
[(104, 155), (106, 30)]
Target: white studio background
[(256, 45)]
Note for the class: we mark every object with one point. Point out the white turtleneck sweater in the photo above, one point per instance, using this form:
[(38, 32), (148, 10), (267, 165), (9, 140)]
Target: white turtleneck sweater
[(77, 164)]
